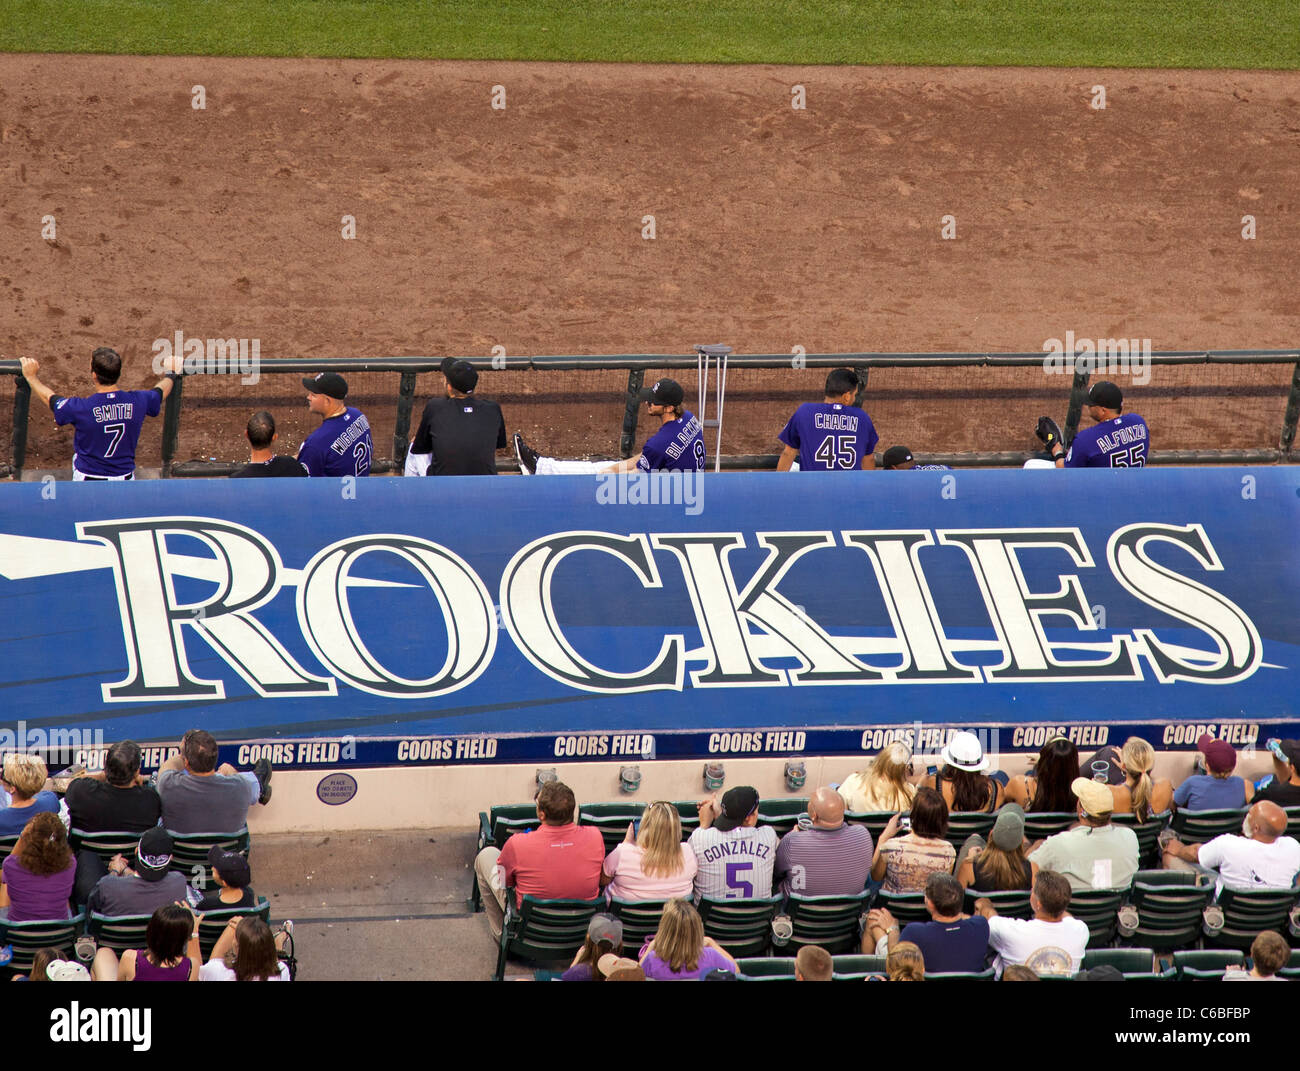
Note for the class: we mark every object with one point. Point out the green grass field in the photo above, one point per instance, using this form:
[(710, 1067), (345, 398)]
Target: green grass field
[(1076, 33)]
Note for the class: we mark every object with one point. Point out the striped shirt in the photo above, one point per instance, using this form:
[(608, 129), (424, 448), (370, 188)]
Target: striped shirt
[(736, 865), (824, 862)]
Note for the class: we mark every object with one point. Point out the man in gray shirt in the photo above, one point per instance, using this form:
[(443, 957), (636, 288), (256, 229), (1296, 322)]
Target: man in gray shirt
[(146, 887), (200, 797)]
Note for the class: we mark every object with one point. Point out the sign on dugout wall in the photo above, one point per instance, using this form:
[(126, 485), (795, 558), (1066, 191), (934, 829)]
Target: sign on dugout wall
[(388, 621)]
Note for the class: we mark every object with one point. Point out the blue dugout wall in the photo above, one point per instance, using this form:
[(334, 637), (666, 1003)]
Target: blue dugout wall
[(389, 622)]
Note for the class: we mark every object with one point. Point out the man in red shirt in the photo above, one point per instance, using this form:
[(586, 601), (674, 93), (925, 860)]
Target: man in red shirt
[(557, 861)]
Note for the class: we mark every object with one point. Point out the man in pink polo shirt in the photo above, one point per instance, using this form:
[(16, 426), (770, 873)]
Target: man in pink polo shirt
[(557, 861)]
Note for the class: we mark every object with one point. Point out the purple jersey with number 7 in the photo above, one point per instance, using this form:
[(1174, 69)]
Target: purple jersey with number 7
[(108, 428), (1113, 444), (678, 445), (830, 437)]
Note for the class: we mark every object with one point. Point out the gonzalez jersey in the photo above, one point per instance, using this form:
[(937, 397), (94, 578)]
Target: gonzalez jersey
[(735, 865), (108, 428), (678, 445), (1113, 444), (830, 437), (341, 446)]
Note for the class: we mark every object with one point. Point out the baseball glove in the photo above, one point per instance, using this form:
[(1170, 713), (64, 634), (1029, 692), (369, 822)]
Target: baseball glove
[(1048, 431)]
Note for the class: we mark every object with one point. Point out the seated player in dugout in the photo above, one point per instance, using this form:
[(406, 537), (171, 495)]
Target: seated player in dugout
[(108, 423), (459, 434), (900, 457), (832, 435), (677, 446), (262, 459), (1118, 441)]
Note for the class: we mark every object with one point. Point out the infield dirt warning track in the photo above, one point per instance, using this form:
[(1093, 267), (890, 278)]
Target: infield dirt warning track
[(525, 226)]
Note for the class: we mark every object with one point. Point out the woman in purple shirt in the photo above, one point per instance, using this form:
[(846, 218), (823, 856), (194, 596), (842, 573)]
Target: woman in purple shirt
[(171, 952), (680, 952), (36, 879)]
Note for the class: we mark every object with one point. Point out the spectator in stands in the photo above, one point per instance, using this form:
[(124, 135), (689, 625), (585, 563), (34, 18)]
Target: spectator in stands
[(1284, 789), (652, 863), (557, 861), (1000, 865), (679, 951), (905, 963), (118, 799), (813, 964), (262, 460), (1052, 927), (882, 786), (1047, 789), (232, 877), (246, 951), (1130, 780), (903, 863), (950, 942), (1018, 972), (36, 878), (604, 938), (24, 778), (829, 858), (1096, 854), (198, 796), (1263, 857), (736, 855), (1269, 953), (962, 781), (41, 961), (141, 889), (1217, 790), (171, 952)]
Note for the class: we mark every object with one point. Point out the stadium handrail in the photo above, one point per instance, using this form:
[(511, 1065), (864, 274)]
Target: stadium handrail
[(636, 365)]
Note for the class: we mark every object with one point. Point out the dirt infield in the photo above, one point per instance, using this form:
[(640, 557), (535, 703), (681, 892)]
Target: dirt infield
[(775, 227)]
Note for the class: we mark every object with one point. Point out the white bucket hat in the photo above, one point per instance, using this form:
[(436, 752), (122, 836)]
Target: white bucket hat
[(964, 752)]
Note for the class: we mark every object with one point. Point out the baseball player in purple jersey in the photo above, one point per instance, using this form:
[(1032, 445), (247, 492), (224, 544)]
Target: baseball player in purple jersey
[(832, 435), (900, 457), (678, 445), (341, 446), (108, 423), (1118, 441)]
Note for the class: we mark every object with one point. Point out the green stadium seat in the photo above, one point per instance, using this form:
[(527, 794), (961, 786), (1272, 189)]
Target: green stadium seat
[(741, 927), (190, 851), (105, 844), (118, 932), (855, 968), (1129, 961), (1099, 908), (690, 815), (781, 815), (830, 922), (7, 845), (875, 821), (612, 819), (1292, 822), (640, 920), (1204, 964), (905, 907), (986, 975), (215, 921), (1013, 904), (1249, 912), (1197, 827), (545, 932), (495, 827), (1292, 968), (961, 824), (1046, 824), (1148, 835), (1169, 904), (28, 938), (766, 969)]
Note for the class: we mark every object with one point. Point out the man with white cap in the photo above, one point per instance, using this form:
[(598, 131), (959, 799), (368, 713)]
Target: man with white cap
[(1095, 854)]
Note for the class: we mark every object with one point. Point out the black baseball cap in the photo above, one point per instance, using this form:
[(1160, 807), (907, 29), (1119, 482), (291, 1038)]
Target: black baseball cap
[(153, 855), (1106, 395), (664, 392), (460, 374), (737, 804), (232, 866), (331, 384), (895, 456)]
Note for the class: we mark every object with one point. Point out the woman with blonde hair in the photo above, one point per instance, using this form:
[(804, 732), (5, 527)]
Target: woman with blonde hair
[(1140, 794), (905, 963), (882, 786), (680, 952), (652, 864), (24, 779)]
